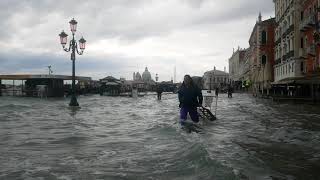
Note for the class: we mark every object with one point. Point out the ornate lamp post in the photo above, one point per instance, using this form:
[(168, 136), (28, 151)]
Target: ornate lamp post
[(73, 47), (50, 71), (157, 77)]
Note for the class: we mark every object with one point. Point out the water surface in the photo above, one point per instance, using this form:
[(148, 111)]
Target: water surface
[(125, 138)]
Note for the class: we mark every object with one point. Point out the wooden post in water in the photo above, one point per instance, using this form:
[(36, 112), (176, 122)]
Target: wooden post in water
[(21, 87), (12, 87), (0, 87), (312, 93), (215, 111)]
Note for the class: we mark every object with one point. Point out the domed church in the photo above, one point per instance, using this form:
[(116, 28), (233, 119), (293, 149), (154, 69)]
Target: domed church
[(146, 76), (137, 76)]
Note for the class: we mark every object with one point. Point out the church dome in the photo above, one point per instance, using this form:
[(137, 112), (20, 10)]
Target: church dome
[(146, 76), (138, 76)]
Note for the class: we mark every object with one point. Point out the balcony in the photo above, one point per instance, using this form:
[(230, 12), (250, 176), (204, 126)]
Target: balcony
[(317, 41), (278, 41), (302, 53), (308, 22), (316, 37), (289, 30), (290, 54), (278, 61), (311, 50), (288, 69), (284, 57)]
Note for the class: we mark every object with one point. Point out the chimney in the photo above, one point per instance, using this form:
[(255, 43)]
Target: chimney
[(214, 68), (224, 69)]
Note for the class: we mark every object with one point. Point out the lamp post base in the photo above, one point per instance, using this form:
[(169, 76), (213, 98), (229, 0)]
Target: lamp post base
[(73, 101)]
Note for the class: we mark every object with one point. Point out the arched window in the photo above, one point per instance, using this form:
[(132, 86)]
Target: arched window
[(263, 37)]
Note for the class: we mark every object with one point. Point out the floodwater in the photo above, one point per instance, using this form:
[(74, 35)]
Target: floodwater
[(124, 138)]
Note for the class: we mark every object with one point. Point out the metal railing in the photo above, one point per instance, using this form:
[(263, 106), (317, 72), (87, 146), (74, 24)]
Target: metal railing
[(23, 92)]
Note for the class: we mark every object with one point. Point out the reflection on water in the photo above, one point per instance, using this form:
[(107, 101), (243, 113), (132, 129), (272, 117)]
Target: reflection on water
[(125, 138)]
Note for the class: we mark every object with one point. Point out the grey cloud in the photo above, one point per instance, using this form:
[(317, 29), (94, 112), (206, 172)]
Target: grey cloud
[(37, 63), (129, 19), (35, 25)]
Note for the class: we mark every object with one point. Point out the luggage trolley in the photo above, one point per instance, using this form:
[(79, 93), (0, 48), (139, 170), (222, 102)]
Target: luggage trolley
[(205, 110)]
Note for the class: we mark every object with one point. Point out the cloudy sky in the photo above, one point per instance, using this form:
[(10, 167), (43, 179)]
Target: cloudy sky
[(124, 36)]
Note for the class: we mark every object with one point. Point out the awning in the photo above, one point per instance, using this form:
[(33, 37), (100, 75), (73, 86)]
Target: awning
[(308, 81), (298, 80), (283, 82)]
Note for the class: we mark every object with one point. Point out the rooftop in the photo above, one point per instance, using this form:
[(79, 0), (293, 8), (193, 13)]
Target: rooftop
[(42, 76), (217, 72)]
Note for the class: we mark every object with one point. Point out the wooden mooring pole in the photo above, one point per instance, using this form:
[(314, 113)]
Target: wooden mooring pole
[(0, 88), (12, 87)]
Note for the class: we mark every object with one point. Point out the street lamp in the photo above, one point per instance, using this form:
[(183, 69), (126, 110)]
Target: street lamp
[(73, 47), (50, 71), (157, 77)]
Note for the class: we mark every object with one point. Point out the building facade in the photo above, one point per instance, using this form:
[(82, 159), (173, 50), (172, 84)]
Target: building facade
[(289, 55), (146, 75), (310, 40), (261, 55), (297, 67), (144, 82), (236, 62), (308, 30), (137, 76), (216, 79)]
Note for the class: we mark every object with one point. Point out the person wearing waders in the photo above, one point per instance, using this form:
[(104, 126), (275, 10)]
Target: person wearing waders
[(159, 91), (217, 91), (190, 97), (230, 90)]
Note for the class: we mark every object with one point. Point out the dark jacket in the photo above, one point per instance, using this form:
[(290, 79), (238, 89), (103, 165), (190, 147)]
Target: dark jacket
[(159, 89), (190, 97)]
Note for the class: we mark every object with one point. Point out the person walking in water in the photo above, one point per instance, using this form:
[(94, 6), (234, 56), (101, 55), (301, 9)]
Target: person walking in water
[(217, 92), (190, 97), (159, 92), (230, 90)]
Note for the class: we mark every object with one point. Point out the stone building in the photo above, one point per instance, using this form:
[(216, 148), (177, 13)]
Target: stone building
[(216, 78), (110, 86), (261, 55), (236, 61), (289, 57), (310, 41), (137, 76), (146, 76), (144, 82), (297, 69)]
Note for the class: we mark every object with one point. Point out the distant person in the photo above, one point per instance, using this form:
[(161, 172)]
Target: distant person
[(190, 97), (159, 92), (230, 90), (217, 92)]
